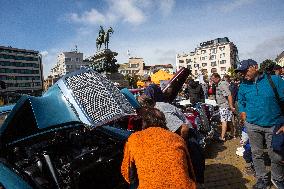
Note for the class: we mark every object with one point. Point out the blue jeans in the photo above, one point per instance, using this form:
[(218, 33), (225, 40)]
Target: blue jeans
[(257, 136)]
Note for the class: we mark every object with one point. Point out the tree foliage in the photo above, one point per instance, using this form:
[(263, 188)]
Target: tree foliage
[(267, 66), (132, 80), (231, 72)]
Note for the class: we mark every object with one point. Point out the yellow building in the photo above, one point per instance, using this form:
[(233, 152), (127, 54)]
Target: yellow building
[(140, 84), (160, 75)]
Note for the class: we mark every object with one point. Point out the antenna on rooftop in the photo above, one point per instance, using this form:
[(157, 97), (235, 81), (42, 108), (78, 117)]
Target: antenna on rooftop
[(76, 48), (128, 53)]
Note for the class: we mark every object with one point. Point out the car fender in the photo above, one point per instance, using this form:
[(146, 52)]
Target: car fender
[(10, 180)]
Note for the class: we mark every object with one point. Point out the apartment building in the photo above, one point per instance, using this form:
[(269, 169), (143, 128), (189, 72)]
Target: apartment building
[(212, 56), (66, 62), (134, 66), (167, 68), (280, 59), (21, 70)]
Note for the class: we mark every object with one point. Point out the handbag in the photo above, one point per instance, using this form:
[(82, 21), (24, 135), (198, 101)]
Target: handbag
[(280, 103), (277, 139)]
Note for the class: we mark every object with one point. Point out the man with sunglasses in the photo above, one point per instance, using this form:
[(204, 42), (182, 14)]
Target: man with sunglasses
[(260, 113)]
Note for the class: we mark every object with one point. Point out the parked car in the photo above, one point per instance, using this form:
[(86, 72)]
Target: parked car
[(65, 138), (71, 137)]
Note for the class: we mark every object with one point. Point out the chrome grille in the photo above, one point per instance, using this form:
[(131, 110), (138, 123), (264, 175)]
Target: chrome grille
[(98, 97)]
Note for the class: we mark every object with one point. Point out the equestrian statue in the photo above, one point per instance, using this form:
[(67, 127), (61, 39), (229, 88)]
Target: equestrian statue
[(103, 37)]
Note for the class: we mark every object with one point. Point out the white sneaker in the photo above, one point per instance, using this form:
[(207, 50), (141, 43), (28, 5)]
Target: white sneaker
[(240, 151)]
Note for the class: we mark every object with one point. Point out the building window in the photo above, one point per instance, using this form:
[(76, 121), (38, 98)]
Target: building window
[(203, 58), (213, 70), (222, 48), (196, 72), (77, 59), (189, 67), (196, 65), (133, 65), (213, 64), (203, 51), (223, 62), (212, 57), (222, 55), (181, 61), (214, 50), (204, 71), (188, 61), (67, 59), (223, 69), (204, 64)]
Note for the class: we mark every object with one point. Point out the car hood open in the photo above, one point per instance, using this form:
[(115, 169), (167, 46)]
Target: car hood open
[(84, 97), (175, 84)]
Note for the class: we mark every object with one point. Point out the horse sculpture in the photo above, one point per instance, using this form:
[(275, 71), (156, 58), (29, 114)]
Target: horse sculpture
[(106, 37), (99, 42), (103, 38)]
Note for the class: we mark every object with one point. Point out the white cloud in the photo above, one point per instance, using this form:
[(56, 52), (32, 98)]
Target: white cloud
[(230, 6), (92, 17), (43, 53), (128, 10), (266, 49), (125, 10), (166, 6)]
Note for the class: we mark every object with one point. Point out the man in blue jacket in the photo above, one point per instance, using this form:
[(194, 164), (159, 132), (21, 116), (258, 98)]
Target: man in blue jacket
[(261, 113)]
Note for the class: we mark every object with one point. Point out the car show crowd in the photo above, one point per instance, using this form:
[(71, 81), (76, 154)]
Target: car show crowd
[(160, 155), (84, 131)]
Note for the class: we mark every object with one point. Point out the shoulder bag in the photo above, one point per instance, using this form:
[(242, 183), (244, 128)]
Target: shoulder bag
[(277, 139)]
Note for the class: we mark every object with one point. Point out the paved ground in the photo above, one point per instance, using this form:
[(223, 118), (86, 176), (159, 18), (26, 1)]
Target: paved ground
[(224, 169)]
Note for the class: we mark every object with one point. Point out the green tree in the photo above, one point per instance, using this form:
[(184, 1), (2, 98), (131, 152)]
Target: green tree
[(267, 66), (231, 72), (132, 80)]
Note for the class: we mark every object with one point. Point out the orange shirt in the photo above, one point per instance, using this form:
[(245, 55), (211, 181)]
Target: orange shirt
[(161, 159)]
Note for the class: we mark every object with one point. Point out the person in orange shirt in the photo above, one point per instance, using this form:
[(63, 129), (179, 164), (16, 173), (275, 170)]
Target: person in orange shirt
[(156, 158)]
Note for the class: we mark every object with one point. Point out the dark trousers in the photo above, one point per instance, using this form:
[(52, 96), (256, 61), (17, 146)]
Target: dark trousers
[(257, 136)]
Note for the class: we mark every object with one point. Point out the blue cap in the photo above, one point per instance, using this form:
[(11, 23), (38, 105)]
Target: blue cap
[(245, 64)]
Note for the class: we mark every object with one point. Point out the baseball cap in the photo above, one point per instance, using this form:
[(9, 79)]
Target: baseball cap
[(245, 64)]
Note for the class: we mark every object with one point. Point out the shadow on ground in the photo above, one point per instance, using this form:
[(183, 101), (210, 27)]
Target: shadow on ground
[(224, 176), (213, 149)]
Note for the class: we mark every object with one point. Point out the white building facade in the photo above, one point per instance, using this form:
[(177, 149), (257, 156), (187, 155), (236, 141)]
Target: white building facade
[(280, 59), (134, 66), (212, 56), (68, 62)]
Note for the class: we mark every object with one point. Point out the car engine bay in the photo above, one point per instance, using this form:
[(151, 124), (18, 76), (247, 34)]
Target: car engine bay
[(69, 157)]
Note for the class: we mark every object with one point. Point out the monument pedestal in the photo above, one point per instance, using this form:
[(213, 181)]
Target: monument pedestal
[(104, 62)]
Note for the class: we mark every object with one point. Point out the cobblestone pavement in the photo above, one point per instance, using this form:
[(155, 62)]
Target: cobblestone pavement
[(224, 169)]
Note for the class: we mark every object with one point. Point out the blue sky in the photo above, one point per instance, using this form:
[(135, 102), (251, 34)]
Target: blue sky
[(152, 29)]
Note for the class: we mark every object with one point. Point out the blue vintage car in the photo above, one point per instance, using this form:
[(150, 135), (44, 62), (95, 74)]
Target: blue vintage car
[(54, 141)]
